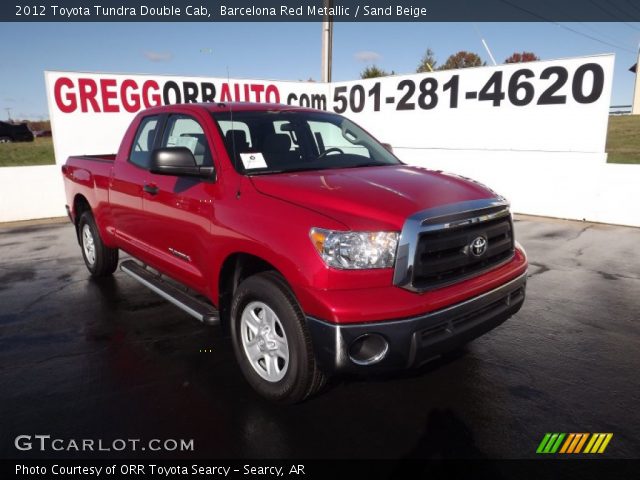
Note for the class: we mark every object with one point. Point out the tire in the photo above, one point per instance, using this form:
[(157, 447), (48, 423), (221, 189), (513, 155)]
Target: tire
[(5, 140), (265, 300), (101, 261)]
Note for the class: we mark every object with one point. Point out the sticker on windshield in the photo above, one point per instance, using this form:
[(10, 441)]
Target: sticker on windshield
[(253, 160)]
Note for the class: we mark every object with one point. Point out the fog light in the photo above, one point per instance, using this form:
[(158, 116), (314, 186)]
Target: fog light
[(368, 349)]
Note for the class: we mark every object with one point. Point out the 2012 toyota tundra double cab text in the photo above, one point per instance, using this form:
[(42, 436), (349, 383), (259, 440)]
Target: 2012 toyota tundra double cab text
[(315, 246)]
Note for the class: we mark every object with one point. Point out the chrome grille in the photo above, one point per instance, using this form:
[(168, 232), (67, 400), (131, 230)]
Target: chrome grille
[(435, 245), (444, 256)]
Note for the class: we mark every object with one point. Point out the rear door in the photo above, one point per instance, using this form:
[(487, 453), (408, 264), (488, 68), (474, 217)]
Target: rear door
[(179, 210), (127, 183)]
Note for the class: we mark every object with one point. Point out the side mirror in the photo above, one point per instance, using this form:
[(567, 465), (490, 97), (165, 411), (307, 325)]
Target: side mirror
[(178, 161), (388, 147)]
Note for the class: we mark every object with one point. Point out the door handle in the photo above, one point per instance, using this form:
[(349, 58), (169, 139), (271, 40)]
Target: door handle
[(151, 189)]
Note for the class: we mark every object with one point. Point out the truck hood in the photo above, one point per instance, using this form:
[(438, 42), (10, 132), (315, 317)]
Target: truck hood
[(370, 198)]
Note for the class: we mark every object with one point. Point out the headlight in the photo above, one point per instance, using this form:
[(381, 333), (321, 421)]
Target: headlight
[(355, 250)]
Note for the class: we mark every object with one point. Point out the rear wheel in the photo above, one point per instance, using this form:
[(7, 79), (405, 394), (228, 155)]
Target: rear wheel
[(99, 259), (271, 341), (5, 140)]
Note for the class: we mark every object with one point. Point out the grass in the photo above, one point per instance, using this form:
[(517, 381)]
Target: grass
[(623, 139), (623, 145), (38, 152)]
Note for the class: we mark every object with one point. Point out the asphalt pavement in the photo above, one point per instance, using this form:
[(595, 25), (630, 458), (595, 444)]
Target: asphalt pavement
[(109, 359)]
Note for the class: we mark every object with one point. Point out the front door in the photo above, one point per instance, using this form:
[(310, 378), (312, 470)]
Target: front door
[(179, 210)]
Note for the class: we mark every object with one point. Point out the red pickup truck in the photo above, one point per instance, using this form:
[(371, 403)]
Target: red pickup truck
[(315, 246)]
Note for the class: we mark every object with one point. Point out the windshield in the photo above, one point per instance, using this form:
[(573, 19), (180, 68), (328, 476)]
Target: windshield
[(266, 142)]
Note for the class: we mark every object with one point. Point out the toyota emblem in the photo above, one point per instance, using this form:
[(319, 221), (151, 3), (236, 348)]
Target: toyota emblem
[(478, 246)]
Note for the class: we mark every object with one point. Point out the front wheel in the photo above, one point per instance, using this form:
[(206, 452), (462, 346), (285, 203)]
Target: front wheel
[(271, 341), (100, 260)]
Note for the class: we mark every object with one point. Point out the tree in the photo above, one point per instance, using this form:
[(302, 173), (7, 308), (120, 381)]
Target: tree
[(428, 62), (522, 57), (462, 59), (374, 72)]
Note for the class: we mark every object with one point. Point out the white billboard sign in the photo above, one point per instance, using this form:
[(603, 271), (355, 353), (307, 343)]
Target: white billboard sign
[(553, 106)]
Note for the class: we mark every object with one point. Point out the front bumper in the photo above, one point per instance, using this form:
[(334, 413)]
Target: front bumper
[(414, 341)]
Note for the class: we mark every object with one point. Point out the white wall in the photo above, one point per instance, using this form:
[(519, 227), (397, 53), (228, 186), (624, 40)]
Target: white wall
[(31, 192), (561, 185)]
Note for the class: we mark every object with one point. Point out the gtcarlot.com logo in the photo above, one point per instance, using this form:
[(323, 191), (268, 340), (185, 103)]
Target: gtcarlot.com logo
[(573, 443), (45, 443)]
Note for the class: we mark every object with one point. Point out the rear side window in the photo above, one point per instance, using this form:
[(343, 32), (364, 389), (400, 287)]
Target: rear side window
[(185, 131), (144, 141)]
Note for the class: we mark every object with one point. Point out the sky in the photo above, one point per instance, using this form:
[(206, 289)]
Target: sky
[(282, 51)]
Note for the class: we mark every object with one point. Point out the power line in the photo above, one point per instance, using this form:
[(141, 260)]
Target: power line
[(632, 5), (597, 5), (586, 35), (624, 12), (617, 17), (630, 25), (598, 32)]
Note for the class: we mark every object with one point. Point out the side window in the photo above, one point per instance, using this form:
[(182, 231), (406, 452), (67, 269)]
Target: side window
[(143, 143), (184, 131)]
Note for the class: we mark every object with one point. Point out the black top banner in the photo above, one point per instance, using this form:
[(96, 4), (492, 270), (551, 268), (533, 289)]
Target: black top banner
[(316, 10)]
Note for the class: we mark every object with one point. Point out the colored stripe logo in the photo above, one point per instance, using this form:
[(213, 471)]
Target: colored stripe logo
[(574, 443)]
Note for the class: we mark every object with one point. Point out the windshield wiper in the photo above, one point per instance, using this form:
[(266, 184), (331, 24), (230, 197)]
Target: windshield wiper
[(306, 169), (288, 170), (365, 164)]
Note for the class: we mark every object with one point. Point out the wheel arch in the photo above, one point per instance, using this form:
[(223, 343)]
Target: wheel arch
[(235, 268), (80, 205)]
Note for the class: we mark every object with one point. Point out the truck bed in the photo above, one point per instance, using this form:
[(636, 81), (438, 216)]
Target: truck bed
[(110, 157), (88, 176)]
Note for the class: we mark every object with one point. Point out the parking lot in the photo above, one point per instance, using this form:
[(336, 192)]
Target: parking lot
[(109, 359)]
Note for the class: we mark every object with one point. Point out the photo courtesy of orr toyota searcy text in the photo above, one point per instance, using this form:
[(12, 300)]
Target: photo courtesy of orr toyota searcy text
[(163, 471)]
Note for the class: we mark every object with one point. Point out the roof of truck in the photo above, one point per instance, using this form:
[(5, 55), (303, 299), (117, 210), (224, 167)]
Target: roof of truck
[(245, 106), (237, 107)]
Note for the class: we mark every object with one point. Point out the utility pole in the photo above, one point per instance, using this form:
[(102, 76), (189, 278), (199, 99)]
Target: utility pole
[(635, 108), (8, 109), (327, 41)]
